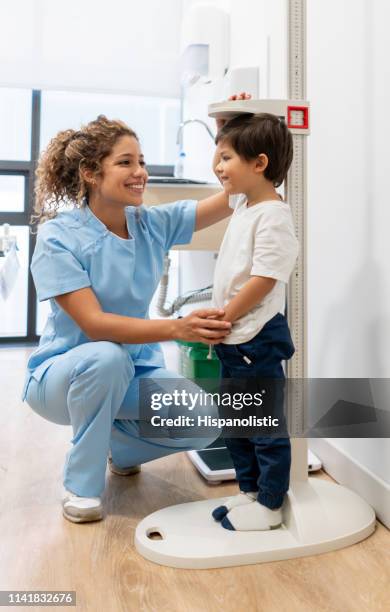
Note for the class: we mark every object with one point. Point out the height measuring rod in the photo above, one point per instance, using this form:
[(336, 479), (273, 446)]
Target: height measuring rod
[(297, 198)]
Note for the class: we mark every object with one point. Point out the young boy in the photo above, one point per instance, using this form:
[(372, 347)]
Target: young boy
[(256, 258)]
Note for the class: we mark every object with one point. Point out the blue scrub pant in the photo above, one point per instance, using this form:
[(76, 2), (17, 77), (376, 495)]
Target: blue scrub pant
[(94, 388)]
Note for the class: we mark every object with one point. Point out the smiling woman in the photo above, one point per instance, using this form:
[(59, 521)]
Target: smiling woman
[(99, 262), (122, 179)]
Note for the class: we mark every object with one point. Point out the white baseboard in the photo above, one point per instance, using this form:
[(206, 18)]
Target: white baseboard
[(347, 471)]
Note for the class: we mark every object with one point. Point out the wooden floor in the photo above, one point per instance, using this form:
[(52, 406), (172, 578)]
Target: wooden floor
[(40, 550)]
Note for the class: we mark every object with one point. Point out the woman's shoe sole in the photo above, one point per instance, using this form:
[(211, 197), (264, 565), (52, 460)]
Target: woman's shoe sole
[(83, 519), (130, 471)]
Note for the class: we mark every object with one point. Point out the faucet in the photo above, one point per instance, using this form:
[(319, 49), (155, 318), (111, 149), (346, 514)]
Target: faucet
[(179, 137)]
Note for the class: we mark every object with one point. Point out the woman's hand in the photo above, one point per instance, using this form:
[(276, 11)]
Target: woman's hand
[(202, 326), (241, 96)]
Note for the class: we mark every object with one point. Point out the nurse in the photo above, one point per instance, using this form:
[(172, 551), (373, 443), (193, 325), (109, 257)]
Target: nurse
[(99, 259)]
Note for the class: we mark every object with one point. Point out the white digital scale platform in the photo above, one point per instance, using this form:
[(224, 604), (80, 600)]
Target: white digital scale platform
[(216, 466)]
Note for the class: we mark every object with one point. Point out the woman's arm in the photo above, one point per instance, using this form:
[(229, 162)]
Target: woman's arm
[(84, 308), (211, 210)]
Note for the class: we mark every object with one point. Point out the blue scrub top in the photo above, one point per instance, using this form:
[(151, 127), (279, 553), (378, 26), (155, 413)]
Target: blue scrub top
[(76, 250)]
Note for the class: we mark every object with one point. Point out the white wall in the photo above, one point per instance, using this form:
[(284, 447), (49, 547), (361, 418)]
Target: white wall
[(259, 37), (348, 217), (346, 270)]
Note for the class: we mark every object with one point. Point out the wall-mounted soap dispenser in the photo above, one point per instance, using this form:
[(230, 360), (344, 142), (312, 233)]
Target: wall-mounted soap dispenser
[(204, 44)]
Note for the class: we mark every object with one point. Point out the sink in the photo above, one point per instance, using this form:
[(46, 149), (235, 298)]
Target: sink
[(171, 180)]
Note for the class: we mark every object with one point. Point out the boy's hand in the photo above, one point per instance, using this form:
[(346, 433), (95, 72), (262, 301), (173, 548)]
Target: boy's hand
[(241, 96)]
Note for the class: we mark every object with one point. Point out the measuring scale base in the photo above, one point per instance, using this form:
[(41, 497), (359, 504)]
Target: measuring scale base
[(318, 517)]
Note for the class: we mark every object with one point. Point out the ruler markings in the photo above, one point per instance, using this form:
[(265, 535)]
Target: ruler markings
[(296, 190)]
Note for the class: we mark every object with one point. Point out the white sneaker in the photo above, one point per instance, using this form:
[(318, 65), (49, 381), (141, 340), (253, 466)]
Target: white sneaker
[(81, 509), (127, 471)]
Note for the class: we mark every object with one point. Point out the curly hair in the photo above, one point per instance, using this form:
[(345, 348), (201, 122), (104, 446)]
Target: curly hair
[(59, 173)]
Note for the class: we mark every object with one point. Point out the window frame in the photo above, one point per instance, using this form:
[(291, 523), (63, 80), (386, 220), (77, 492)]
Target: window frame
[(27, 170)]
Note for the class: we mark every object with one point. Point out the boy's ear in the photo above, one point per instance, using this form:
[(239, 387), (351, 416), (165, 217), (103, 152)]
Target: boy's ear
[(261, 162)]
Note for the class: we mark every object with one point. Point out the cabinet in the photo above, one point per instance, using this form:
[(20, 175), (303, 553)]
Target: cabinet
[(208, 239)]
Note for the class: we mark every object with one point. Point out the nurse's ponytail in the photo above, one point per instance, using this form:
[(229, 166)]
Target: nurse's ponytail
[(59, 174)]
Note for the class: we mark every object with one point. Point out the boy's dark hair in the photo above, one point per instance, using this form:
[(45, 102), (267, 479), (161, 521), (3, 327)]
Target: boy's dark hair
[(250, 135)]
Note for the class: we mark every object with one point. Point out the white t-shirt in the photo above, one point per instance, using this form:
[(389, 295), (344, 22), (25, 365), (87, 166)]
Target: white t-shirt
[(259, 241)]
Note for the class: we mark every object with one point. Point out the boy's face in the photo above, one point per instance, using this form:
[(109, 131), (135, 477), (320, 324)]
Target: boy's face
[(236, 174)]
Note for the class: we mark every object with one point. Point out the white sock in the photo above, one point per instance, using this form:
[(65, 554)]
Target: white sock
[(242, 499), (252, 517)]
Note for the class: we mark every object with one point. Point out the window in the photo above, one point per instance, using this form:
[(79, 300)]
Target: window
[(155, 120), (12, 192), (17, 143), (13, 321), (28, 120), (15, 124)]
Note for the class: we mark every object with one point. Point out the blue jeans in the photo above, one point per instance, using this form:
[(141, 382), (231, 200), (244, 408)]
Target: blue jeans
[(262, 463)]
